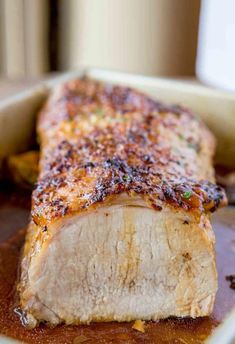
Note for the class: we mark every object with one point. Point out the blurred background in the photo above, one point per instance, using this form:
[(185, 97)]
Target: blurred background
[(152, 37), (172, 38)]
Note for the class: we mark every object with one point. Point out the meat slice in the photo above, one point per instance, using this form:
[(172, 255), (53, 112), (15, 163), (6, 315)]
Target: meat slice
[(120, 225)]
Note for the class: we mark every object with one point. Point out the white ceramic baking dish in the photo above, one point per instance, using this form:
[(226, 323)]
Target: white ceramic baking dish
[(17, 122)]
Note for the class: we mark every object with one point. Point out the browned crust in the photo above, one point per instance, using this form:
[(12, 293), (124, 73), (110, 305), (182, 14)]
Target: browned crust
[(100, 140)]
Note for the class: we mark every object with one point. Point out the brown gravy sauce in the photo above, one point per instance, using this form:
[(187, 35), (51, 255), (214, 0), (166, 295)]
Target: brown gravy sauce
[(14, 212)]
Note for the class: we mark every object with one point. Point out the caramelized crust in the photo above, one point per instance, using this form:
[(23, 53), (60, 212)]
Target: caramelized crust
[(101, 140)]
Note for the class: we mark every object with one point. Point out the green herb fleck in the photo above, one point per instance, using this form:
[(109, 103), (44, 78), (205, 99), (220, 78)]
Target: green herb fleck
[(125, 178), (180, 136), (187, 194), (192, 145), (100, 112)]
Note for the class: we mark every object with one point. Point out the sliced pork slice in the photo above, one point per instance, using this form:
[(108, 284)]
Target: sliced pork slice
[(120, 224)]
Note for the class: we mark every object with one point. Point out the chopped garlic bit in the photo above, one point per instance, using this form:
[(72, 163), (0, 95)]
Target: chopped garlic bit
[(139, 326)]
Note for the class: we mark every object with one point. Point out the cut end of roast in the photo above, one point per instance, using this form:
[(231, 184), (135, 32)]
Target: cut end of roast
[(121, 262)]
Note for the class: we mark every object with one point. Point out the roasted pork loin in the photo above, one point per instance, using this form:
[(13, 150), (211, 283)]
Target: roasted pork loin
[(120, 225)]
